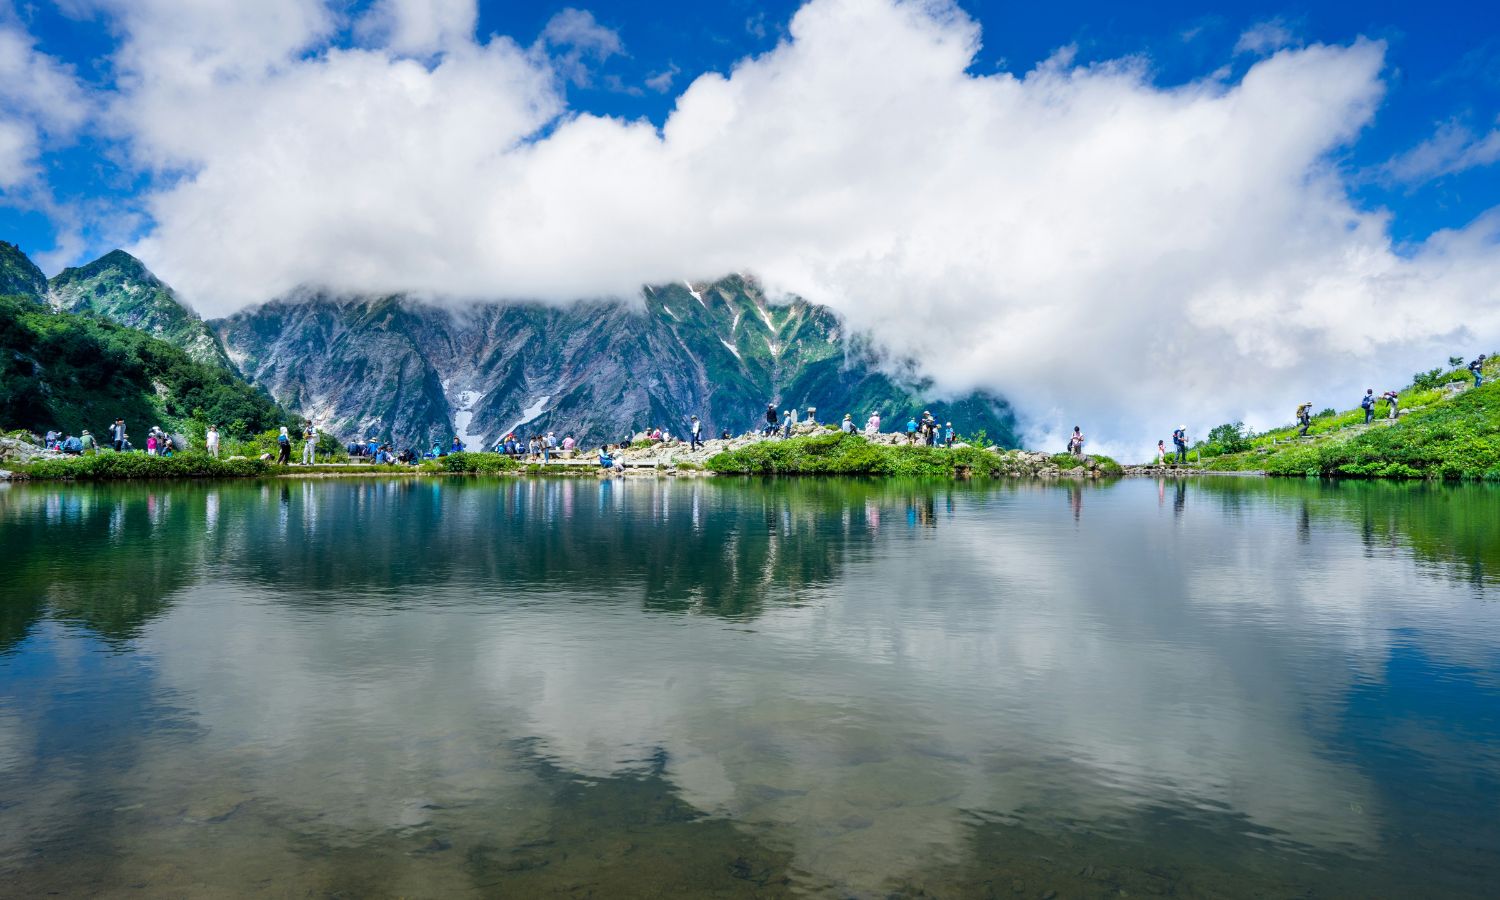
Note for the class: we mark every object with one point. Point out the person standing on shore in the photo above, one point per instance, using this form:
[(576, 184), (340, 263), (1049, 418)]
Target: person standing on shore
[(770, 428), (211, 441), (1367, 403), (695, 434), (1304, 418), (1477, 369), (1179, 440), (911, 431), (150, 443), (309, 444), (1075, 443), (283, 448), (1161, 453), (949, 435), (117, 435)]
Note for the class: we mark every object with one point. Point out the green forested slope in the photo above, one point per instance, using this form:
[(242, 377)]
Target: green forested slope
[(69, 372)]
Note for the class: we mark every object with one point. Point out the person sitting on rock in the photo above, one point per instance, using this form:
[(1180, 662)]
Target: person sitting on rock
[(1075, 443), (872, 424), (847, 426)]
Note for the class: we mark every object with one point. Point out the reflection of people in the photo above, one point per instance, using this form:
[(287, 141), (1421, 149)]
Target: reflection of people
[(1179, 501), (1075, 497)]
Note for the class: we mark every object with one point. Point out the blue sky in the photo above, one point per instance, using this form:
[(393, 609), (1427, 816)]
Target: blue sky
[(1442, 71)]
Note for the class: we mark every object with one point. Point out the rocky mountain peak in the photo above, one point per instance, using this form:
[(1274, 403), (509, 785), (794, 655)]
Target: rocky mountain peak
[(19, 276)]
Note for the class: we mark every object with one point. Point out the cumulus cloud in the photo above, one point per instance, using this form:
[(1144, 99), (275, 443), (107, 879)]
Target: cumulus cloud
[(1092, 245), (573, 42), (1265, 37), (1452, 149), (419, 26), (40, 99)]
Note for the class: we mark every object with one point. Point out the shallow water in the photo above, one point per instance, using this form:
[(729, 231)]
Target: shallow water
[(431, 688)]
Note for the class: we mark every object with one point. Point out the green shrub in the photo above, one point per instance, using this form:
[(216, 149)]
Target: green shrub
[(475, 463), (114, 466), (836, 453)]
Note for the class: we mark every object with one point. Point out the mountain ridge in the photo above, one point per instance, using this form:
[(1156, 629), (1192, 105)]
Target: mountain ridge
[(415, 371)]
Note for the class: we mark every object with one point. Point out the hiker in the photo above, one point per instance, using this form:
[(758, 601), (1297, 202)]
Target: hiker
[(770, 420), (786, 424), (1179, 440), (283, 448), (1161, 453), (457, 446), (1367, 403), (695, 434), (117, 435), (1392, 400), (151, 443), (165, 446), (211, 441), (911, 431), (1477, 368), (949, 435), (309, 444), (1304, 418), (89, 445), (1075, 443), (872, 424), (847, 426)]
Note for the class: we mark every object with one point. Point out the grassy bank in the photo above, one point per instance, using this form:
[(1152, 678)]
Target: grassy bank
[(1455, 438), (109, 466), (851, 454)]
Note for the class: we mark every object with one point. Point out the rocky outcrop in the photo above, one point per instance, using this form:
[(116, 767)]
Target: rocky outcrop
[(20, 451)]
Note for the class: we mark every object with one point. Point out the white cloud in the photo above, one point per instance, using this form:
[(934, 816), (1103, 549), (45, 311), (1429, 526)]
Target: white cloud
[(40, 100), (1265, 37), (573, 42), (661, 82), (1088, 243), (1452, 149), (420, 26)]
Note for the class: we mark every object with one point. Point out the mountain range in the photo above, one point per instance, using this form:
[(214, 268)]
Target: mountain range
[(412, 371)]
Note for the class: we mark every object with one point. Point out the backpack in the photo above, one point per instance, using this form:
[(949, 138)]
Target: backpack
[(1367, 402), (73, 445)]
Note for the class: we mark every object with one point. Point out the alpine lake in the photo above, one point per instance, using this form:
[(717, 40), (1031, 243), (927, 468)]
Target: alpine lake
[(523, 687)]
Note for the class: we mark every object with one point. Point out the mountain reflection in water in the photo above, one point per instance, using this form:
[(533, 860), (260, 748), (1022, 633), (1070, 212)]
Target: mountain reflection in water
[(432, 687)]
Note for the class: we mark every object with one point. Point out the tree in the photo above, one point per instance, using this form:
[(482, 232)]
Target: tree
[(1231, 437)]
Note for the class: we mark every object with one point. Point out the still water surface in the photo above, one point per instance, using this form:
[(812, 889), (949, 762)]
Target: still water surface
[(516, 687)]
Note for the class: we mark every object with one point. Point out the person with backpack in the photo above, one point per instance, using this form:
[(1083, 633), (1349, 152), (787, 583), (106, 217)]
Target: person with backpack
[(695, 434), (309, 444), (283, 448), (1477, 369), (1392, 400), (1367, 403), (911, 431), (1304, 418), (771, 420), (1179, 440)]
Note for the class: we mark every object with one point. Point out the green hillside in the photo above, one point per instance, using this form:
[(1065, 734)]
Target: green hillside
[(118, 287), (19, 276), (1447, 431), (69, 372)]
